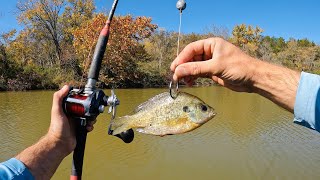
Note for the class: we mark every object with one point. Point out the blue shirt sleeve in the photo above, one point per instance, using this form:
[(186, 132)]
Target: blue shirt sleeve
[(14, 169), (307, 105)]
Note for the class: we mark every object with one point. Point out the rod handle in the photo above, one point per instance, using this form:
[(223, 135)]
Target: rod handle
[(78, 153)]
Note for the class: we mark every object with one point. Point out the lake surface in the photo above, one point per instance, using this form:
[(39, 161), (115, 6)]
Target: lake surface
[(250, 138)]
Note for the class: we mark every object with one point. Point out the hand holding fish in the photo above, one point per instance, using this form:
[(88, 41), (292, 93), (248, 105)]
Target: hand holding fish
[(227, 65), (217, 59)]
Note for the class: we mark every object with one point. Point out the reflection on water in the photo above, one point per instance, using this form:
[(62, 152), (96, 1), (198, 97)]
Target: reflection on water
[(250, 138)]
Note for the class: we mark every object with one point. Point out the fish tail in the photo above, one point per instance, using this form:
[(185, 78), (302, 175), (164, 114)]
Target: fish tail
[(120, 125)]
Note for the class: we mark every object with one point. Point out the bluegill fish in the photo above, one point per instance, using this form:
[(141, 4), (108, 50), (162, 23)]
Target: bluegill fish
[(162, 115)]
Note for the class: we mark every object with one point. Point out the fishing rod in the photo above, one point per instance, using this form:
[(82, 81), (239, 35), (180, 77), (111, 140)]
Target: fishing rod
[(85, 104)]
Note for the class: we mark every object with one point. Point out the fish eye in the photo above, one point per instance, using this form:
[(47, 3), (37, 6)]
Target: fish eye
[(204, 107), (185, 108)]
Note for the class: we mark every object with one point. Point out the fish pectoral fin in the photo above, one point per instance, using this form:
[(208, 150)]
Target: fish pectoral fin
[(120, 129), (120, 125), (120, 121), (147, 130), (141, 130), (150, 130)]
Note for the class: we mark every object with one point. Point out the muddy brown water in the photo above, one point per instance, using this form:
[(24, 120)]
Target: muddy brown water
[(250, 138)]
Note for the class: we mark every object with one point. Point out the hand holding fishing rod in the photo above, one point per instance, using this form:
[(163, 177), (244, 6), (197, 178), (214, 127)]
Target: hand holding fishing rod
[(86, 104)]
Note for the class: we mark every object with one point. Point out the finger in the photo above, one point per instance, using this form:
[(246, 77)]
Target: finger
[(218, 80), (90, 128), (199, 50), (215, 79), (188, 53), (201, 57), (58, 98), (198, 69), (91, 123)]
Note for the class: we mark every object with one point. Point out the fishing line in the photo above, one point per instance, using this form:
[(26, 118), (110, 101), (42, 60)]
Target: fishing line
[(181, 5), (175, 91), (179, 33)]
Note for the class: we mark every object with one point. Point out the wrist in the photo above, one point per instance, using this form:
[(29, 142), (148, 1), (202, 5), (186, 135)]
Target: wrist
[(279, 84), (253, 73), (60, 146), (258, 70)]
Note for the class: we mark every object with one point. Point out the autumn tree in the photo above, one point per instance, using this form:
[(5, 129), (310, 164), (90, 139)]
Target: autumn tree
[(5, 40), (58, 39), (76, 13), (3, 60), (216, 31), (247, 38), (127, 33), (243, 34), (162, 47), (300, 58), (42, 16)]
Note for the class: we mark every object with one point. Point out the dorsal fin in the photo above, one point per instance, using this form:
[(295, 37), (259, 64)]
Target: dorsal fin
[(154, 101)]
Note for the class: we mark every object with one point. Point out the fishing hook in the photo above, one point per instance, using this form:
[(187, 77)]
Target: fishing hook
[(174, 92)]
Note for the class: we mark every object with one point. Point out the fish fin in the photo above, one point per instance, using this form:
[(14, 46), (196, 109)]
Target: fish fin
[(150, 130), (120, 129), (120, 125), (141, 130), (146, 130), (152, 102)]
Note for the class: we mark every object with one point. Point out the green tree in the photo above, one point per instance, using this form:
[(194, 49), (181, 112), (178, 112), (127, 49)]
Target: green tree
[(277, 44), (305, 43)]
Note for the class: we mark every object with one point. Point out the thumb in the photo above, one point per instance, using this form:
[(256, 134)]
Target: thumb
[(58, 98), (198, 68)]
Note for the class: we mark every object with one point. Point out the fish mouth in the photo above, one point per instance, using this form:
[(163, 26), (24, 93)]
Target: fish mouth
[(212, 115)]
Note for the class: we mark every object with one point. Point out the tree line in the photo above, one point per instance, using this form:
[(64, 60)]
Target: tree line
[(59, 36)]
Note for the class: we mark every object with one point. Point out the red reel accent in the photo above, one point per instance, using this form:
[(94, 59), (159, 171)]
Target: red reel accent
[(75, 109), (80, 97)]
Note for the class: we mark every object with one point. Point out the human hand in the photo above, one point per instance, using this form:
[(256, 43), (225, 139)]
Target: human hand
[(43, 158), (217, 59), (62, 128)]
